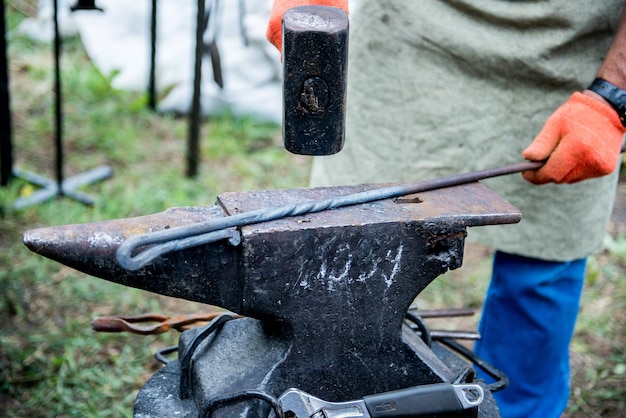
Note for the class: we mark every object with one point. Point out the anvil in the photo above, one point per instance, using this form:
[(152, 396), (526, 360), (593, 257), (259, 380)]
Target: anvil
[(324, 294)]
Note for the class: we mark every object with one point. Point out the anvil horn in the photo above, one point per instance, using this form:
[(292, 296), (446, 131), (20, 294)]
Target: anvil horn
[(91, 248)]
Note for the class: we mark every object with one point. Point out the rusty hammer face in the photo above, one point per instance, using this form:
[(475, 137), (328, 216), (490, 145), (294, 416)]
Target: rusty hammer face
[(315, 63)]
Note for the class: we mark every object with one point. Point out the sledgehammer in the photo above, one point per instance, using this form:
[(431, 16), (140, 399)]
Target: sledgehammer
[(315, 63)]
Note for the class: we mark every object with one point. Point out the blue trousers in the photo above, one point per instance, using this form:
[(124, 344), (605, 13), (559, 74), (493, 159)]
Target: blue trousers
[(526, 327)]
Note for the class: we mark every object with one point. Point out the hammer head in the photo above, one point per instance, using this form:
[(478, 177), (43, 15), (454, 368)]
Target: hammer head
[(315, 64)]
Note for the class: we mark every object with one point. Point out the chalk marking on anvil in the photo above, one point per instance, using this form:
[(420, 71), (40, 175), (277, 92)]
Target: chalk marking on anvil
[(333, 278), (396, 266), (330, 279), (201, 233)]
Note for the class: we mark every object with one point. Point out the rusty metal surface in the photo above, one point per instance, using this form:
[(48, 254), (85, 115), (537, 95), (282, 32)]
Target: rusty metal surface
[(465, 205), (91, 248), (109, 234), (151, 323), (132, 256)]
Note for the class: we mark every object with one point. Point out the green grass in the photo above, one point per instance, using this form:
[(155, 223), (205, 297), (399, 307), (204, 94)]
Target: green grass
[(53, 365)]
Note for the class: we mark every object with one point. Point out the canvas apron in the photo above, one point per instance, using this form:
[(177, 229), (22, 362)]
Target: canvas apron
[(437, 88)]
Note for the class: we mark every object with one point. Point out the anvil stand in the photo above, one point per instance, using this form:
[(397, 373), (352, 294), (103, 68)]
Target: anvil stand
[(59, 187), (203, 16)]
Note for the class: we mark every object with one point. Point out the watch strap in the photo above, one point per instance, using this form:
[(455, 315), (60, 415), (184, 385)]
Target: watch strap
[(612, 94)]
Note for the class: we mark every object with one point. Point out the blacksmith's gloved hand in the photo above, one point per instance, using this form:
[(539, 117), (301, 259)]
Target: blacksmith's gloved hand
[(581, 140), (275, 29)]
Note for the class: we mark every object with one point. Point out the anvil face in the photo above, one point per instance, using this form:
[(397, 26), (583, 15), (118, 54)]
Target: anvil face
[(328, 288)]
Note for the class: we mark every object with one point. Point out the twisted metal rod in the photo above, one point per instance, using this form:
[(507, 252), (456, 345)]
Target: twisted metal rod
[(200, 233)]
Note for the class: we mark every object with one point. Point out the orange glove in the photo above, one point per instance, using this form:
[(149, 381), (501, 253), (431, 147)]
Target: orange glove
[(581, 140), (275, 28)]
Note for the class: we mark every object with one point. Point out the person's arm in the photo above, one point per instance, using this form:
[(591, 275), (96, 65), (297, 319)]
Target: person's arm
[(583, 138), (613, 69), (274, 29)]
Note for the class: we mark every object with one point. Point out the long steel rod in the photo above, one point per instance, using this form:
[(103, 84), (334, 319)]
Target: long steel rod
[(195, 113), (6, 144), (442, 313), (58, 103), (153, 45), (204, 232)]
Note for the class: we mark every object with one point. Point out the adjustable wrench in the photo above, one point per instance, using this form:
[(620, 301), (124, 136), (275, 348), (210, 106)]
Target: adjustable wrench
[(436, 398)]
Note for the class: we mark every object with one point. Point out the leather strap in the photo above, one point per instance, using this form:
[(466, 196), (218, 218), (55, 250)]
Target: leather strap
[(613, 94)]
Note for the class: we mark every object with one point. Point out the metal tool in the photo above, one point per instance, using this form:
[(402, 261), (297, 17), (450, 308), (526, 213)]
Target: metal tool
[(156, 323), (424, 400), (315, 63)]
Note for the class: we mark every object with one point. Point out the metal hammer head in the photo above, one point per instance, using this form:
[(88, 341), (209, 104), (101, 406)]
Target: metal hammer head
[(315, 63)]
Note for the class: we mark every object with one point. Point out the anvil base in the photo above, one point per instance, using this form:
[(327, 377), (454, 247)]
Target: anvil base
[(242, 355)]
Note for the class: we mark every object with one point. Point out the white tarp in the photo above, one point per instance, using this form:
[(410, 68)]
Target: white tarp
[(118, 42)]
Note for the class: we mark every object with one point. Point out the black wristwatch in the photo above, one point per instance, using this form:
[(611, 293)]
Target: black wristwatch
[(612, 94)]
